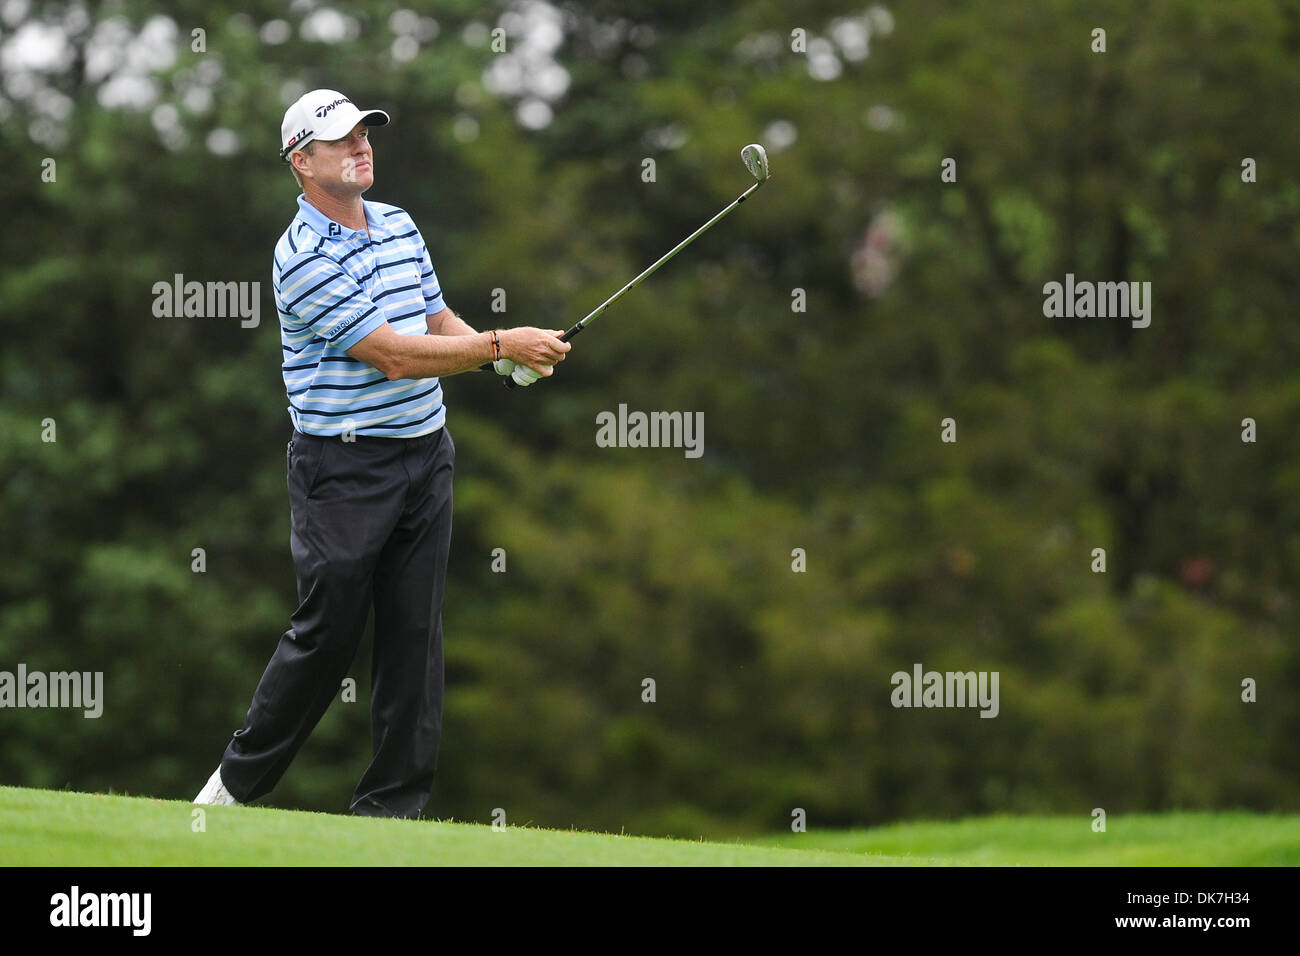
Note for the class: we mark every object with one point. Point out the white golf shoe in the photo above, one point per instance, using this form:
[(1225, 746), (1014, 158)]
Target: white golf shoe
[(215, 794)]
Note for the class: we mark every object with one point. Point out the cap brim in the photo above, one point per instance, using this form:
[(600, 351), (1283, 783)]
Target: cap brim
[(340, 126)]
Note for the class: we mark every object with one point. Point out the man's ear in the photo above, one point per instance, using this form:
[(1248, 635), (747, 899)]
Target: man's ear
[(299, 161)]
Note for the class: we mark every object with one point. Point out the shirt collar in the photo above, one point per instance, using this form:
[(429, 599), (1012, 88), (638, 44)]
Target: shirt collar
[(325, 226)]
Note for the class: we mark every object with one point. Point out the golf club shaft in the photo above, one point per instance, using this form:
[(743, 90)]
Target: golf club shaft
[(582, 323)]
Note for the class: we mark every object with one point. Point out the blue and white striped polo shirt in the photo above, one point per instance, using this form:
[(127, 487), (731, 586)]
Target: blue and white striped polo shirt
[(333, 287)]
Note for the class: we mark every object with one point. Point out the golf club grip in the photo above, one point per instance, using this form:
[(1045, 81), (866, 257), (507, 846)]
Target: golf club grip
[(509, 382)]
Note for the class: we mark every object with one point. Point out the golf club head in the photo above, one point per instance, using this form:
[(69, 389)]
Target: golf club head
[(755, 158)]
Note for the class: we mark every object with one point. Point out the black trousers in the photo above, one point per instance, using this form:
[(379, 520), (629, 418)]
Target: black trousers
[(371, 524)]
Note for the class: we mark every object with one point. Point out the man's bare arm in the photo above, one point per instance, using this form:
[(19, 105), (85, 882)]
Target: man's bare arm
[(430, 356), (448, 322)]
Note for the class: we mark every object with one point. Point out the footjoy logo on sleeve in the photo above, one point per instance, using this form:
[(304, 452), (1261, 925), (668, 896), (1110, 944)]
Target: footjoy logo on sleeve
[(72, 909)]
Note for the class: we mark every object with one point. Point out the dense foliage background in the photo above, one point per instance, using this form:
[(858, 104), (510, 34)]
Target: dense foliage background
[(924, 299)]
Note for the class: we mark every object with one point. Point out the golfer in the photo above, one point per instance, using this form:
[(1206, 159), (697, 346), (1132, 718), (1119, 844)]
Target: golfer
[(366, 339)]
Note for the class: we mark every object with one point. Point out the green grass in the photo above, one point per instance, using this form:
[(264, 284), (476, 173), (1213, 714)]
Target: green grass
[(57, 828), (1147, 839)]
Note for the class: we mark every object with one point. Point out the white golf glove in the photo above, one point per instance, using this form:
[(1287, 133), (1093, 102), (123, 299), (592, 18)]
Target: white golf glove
[(523, 376), (503, 366)]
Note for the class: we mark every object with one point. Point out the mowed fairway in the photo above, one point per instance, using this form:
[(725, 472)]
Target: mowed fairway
[(56, 828), (1147, 839)]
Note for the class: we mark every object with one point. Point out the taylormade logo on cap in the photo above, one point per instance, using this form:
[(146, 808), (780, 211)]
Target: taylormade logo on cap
[(322, 114), (322, 110)]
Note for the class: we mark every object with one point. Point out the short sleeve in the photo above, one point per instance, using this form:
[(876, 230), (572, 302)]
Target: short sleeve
[(316, 292), (433, 302)]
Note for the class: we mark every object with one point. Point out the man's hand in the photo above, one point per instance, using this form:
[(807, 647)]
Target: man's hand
[(538, 349)]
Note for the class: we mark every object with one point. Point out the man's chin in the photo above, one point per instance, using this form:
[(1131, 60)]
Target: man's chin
[(360, 181)]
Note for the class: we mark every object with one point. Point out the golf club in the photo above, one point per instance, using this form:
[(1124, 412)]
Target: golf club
[(755, 159)]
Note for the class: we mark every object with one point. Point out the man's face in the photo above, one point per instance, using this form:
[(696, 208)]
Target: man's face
[(344, 165)]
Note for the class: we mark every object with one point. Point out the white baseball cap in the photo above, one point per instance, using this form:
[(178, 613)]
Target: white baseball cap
[(322, 114)]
